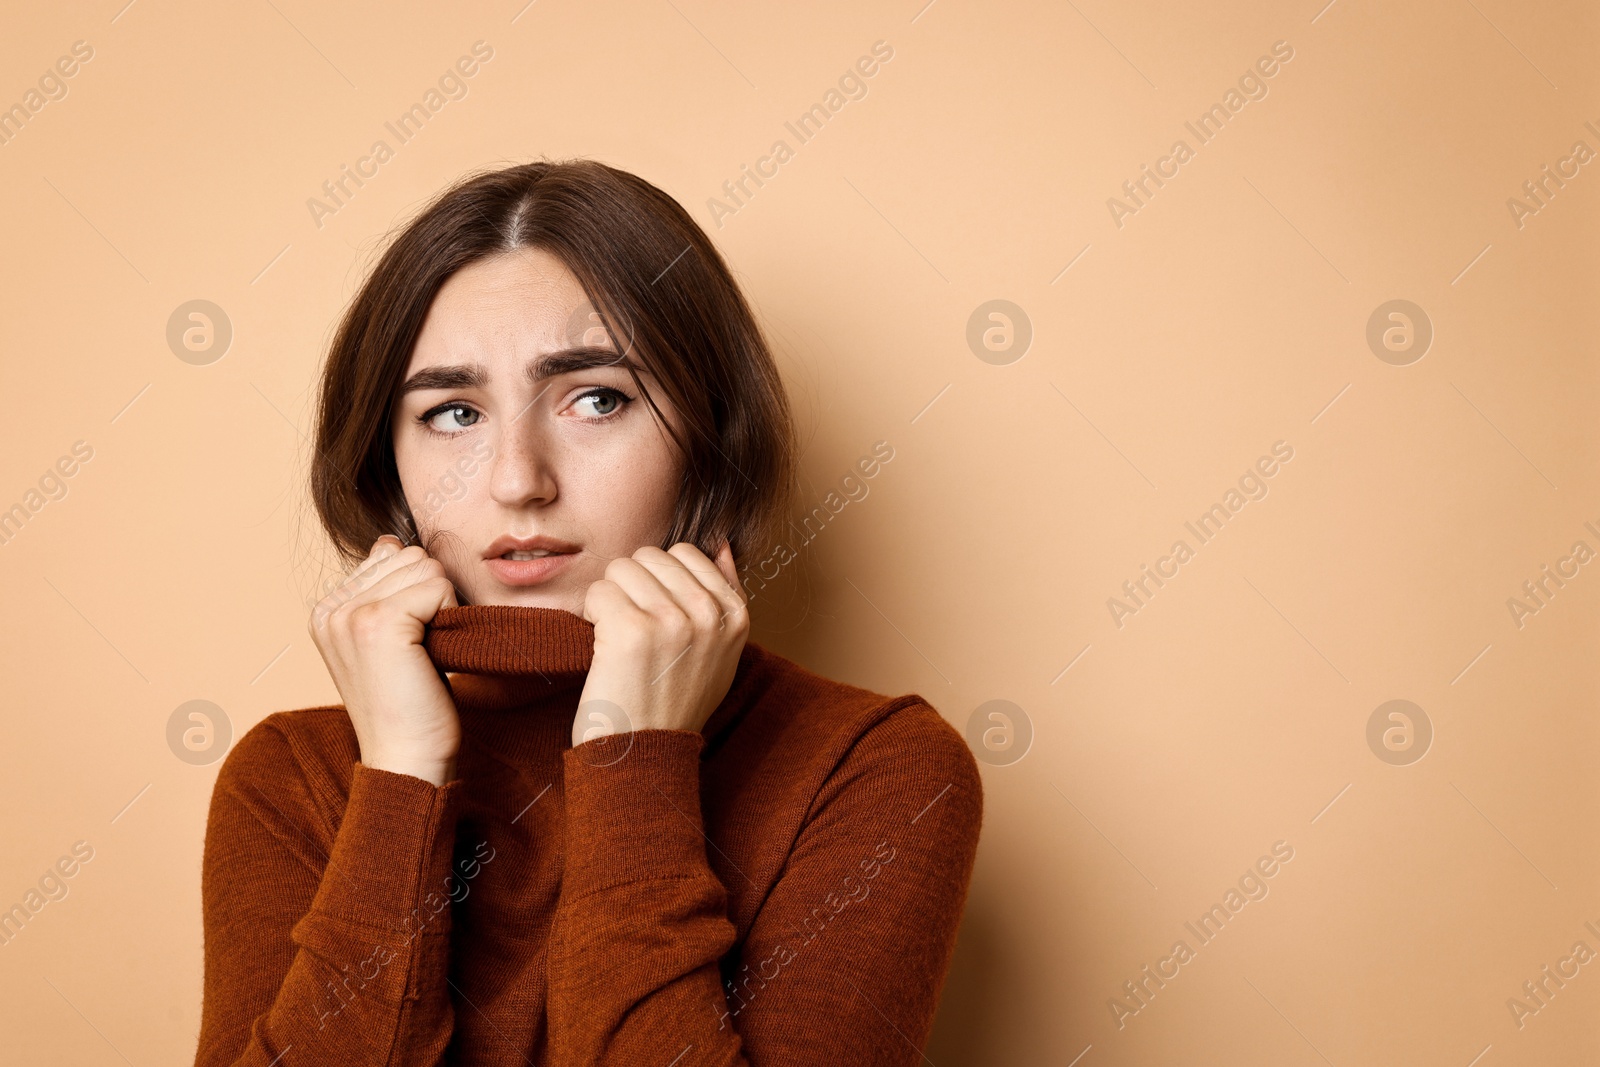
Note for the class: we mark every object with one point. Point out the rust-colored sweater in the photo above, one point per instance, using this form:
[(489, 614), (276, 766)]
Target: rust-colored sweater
[(782, 887)]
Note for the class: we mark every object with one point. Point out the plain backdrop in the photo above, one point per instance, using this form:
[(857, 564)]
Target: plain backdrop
[(1156, 341)]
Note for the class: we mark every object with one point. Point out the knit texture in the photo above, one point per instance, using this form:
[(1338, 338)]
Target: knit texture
[(783, 886)]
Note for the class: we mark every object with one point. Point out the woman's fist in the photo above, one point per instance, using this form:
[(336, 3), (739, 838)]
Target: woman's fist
[(369, 632), (669, 627)]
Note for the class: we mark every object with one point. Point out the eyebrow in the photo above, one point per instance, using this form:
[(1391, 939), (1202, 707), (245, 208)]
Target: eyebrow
[(549, 365)]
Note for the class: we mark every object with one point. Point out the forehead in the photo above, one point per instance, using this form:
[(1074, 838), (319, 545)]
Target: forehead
[(501, 306)]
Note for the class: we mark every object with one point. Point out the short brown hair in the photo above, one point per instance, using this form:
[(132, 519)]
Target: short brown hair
[(652, 276)]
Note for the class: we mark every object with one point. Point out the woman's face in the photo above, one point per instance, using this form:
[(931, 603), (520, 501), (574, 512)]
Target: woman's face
[(512, 427)]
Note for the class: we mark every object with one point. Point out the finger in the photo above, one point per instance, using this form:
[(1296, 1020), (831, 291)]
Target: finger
[(379, 561), (417, 601), (385, 546), (398, 572), (423, 599), (605, 599), (696, 583), (643, 586), (355, 585), (720, 578), (676, 570), (729, 568)]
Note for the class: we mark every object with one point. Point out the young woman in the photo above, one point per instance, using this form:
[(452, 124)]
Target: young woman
[(567, 813)]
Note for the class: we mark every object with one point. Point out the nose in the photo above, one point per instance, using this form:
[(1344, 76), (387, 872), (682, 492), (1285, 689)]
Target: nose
[(523, 468)]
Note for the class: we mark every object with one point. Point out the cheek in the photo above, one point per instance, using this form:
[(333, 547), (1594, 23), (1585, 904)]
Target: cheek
[(447, 490), (427, 483), (407, 465), (628, 497)]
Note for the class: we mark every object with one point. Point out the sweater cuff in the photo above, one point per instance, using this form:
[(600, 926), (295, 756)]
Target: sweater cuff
[(636, 816), (390, 865)]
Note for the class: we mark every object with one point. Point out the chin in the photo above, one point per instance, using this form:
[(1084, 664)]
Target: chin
[(527, 598)]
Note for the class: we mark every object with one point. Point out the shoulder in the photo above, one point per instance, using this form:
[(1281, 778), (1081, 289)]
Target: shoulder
[(846, 735), (301, 759), (773, 687), (275, 811)]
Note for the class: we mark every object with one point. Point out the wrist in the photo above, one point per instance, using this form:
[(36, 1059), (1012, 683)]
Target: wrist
[(430, 768)]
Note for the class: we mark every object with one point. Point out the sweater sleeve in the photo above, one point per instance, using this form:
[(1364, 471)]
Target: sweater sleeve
[(847, 957), (320, 951)]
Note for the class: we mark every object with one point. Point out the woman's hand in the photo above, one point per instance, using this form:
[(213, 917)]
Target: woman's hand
[(668, 630), (369, 632)]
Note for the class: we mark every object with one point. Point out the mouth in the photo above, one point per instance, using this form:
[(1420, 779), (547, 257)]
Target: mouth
[(525, 561), (509, 546)]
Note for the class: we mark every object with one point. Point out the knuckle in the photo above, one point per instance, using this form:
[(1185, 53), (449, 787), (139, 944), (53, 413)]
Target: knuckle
[(637, 630), (324, 609), (675, 623), (366, 620), (705, 612)]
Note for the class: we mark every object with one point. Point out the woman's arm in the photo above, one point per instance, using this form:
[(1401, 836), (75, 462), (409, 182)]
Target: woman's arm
[(846, 960), (316, 954)]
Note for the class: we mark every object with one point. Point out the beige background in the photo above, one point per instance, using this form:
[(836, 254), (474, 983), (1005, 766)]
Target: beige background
[(1227, 314)]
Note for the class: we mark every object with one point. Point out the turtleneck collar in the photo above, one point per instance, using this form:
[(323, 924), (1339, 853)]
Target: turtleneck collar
[(531, 664), (507, 655)]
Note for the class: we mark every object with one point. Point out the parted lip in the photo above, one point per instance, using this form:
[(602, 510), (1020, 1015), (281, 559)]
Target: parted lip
[(507, 543)]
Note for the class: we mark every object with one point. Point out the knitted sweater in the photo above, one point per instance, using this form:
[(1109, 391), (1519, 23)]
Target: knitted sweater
[(782, 887)]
